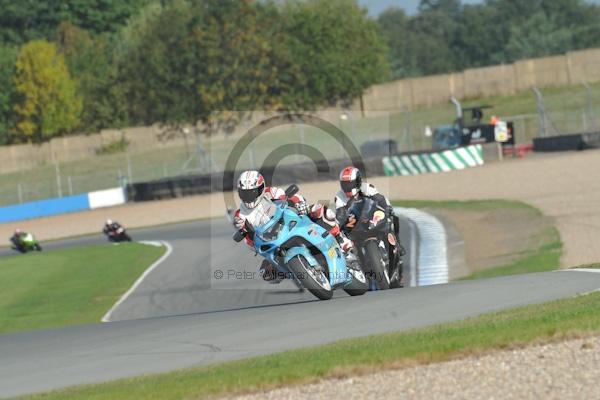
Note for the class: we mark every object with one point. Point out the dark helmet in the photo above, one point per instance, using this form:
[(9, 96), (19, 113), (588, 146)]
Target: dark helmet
[(350, 181)]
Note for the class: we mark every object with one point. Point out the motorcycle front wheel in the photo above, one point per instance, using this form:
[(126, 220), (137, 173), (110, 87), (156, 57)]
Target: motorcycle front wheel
[(314, 280), (359, 284)]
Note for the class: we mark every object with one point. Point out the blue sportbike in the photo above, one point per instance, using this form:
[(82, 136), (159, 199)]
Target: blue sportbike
[(305, 252)]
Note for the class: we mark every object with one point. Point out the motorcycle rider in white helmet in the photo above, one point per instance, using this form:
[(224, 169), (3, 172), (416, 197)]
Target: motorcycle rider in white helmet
[(256, 200), (110, 226)]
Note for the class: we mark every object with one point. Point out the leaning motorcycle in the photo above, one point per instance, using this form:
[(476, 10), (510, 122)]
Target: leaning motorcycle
[(26, 243), (119, 235), (376, 242), (304, 251)]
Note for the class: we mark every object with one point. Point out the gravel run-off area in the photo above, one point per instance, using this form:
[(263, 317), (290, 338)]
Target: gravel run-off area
[(564, 370)]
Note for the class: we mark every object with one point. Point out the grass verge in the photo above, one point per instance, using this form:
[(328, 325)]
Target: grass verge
[(543, 254), (69, 286), (543, 258), (469, 205), (537, 323)]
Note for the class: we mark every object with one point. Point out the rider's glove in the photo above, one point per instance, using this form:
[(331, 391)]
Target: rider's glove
[(351, 221), (238, 222), (346, 244), (302, 207)]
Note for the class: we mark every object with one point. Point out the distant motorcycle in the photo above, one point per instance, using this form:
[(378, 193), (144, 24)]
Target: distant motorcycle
[(118, 235), (377, 244), (24, 243)]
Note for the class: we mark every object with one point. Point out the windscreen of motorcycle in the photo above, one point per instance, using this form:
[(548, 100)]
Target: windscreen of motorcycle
[(262, 213)]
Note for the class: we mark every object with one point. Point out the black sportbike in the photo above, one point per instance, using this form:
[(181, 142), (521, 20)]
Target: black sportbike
[(117, 235), (375, 235)]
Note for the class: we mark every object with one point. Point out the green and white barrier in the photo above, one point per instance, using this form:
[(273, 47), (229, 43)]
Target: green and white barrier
[(444, 161)]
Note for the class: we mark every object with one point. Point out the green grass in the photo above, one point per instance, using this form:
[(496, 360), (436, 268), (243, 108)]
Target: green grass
[(70, 286), (536, 323), (544, 258), (544, 252), (469, 205)]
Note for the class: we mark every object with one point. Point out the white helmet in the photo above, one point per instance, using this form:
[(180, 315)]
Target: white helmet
[(109, 222), (251, 188)]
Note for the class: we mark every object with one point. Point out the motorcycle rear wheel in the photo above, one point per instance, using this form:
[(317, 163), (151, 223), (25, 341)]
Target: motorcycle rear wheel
[(314, 281), (378, 269)]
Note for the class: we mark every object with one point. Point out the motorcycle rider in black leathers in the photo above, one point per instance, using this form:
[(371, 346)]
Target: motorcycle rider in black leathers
[(353, 189), (111, 226), (16, 238)]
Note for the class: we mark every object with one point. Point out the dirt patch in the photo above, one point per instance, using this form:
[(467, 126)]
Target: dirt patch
[(494, 238)]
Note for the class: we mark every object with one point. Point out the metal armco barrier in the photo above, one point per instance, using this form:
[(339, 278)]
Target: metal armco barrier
[(190, 185), (579, 141)]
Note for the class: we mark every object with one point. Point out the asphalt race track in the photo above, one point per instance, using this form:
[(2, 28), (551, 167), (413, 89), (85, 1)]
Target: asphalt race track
[(185, 282), (182, 316)]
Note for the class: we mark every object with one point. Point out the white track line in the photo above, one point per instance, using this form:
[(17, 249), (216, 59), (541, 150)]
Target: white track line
[(597, 271), (137, 283)]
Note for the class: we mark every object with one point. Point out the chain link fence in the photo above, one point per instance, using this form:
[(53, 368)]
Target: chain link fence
[(571, 112)]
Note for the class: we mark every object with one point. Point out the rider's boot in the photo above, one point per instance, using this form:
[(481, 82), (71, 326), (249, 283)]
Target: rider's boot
[(269, 273), (401, 249)]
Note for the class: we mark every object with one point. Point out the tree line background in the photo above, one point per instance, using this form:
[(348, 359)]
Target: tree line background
[(78, 66)]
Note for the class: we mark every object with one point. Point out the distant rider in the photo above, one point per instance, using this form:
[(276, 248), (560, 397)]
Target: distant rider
[(110, 227), (256, 199), (17, 237)]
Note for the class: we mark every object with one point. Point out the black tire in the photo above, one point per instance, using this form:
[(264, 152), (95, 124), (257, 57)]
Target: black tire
[(397, 282), (127, 237), (377, 268), (38, 247), (302, 270), (357, 287)]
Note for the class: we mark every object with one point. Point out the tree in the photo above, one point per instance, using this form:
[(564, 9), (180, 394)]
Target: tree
[(91, 64), (158, 65), (450, 7), (540, 36), (25, 20), (480, 38), (393, 24), (47, 103), (7, 66), (337, 50)]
